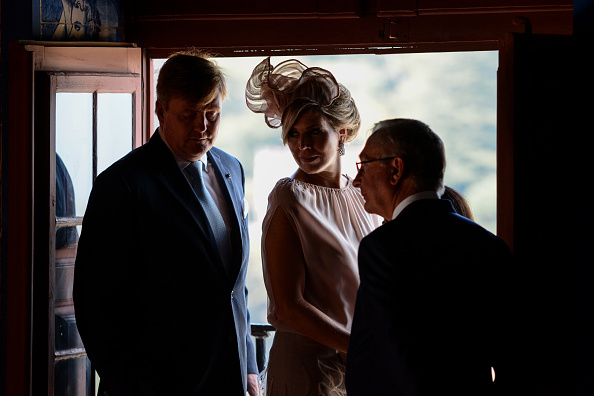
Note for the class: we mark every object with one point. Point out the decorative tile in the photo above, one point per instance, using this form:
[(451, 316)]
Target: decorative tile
[(80, 20)]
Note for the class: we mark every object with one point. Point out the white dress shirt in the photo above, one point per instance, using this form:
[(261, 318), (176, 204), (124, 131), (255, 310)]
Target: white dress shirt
[(211, 183), (410, 199)]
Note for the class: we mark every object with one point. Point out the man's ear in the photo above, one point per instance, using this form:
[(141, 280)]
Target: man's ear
[(396, 169), (160, 111)]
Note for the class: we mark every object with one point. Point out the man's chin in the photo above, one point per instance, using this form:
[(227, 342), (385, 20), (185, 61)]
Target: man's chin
[(370, 209), (198, 148)]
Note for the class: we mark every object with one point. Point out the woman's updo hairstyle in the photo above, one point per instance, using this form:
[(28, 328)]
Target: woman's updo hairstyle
[(286, 91)]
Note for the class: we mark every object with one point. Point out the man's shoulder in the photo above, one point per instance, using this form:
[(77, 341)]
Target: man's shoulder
[(439, 215), (223, 156), (128, 162), (143, 160), (226, 162), (427, 215), (385, 234)]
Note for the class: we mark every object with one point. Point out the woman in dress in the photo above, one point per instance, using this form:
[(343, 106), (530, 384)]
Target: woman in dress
[(312, 229)]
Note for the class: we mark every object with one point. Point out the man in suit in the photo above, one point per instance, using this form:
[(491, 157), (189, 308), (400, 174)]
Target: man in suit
[(430, 312), (159, 288)]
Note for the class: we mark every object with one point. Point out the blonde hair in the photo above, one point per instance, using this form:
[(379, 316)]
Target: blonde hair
[(341, 114)]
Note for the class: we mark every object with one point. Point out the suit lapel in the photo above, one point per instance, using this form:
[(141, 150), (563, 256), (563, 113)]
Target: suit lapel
[(178, 186), (234, 205), (227, 183), (172, 179)]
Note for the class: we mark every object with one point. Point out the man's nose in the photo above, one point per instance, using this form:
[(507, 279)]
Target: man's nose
[(200, 122), (357, 181)]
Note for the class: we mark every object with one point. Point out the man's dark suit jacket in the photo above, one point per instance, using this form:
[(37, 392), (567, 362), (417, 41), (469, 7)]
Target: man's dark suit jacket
[(156, 309), (430, 308)]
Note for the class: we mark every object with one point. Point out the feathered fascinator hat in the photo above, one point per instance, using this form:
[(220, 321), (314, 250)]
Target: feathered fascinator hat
[(270, 90)]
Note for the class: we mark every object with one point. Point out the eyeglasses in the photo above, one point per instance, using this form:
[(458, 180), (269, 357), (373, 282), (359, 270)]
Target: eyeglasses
[(360, 164)]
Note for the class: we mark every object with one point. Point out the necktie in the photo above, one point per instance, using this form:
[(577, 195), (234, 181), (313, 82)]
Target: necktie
[(217, 225)]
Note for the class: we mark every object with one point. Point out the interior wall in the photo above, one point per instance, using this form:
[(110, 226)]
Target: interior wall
[(15, 23)]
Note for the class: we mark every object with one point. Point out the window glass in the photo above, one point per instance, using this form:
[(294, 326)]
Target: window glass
[(114, 128), (74, 142)]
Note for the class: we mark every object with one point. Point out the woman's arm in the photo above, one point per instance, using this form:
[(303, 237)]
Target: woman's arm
[(286, 269)]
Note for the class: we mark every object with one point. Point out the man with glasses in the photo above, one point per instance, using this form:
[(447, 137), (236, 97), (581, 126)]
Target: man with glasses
[(430, 311)]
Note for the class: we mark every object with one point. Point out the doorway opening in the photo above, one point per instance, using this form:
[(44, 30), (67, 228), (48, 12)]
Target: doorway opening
[(455, 93)]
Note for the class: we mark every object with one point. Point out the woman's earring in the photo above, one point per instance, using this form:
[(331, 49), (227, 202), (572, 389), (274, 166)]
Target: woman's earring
[(341, 150)]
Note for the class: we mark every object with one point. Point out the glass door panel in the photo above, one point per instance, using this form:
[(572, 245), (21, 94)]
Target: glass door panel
[(74, 175), (114, 127), (92, 130), (74, 144)]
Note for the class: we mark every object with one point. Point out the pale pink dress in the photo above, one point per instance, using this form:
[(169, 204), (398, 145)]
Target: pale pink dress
[(330, 223)]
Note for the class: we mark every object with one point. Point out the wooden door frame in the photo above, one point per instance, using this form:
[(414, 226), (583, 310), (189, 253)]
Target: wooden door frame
[(28, 363)]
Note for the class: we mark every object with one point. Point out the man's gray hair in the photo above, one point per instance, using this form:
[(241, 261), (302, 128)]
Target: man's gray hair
[(421, 150)]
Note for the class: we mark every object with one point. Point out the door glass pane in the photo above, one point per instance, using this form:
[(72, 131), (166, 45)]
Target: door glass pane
[(72, 377), (74, 180), (114, 127), (74, 175), (74, 142)]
